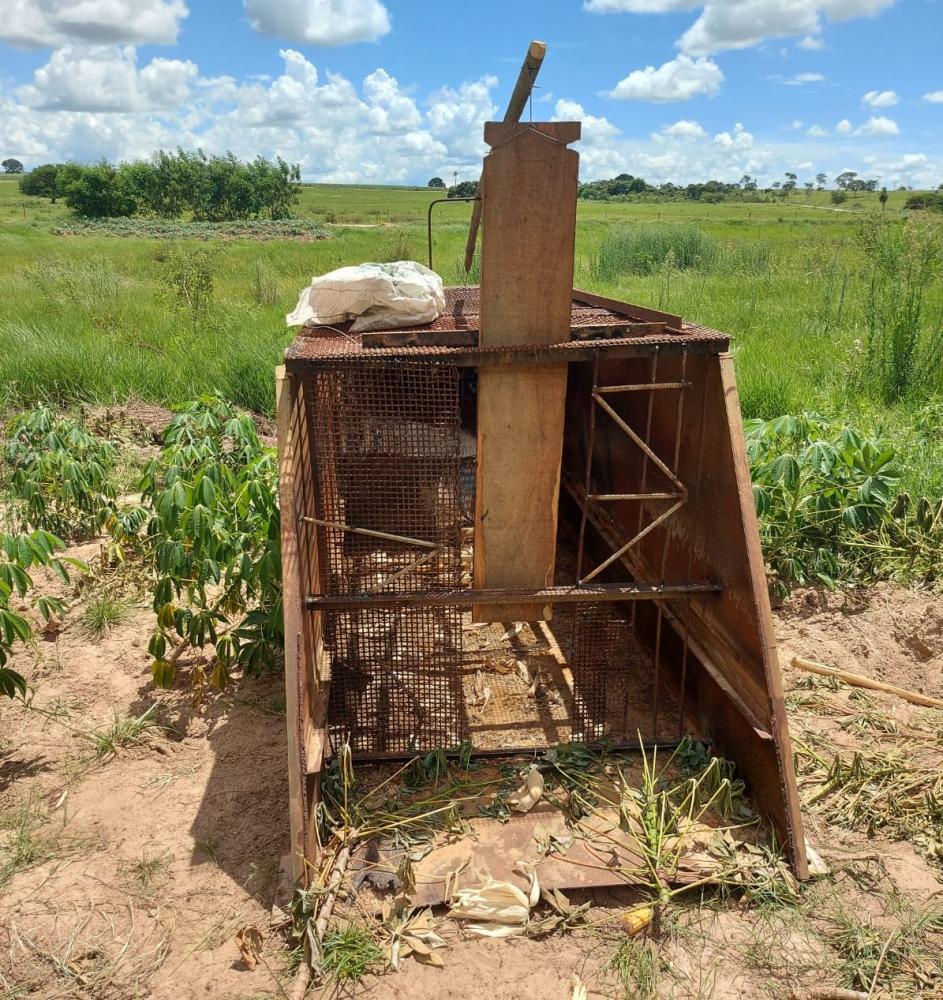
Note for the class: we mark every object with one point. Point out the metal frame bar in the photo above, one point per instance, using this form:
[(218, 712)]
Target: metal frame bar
[(679, 496), (643, 387), (601, 592), (405, 539), (628, 746)]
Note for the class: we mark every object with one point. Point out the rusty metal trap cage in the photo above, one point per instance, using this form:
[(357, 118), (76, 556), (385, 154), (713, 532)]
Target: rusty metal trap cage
[(527, 522), (653, 625)]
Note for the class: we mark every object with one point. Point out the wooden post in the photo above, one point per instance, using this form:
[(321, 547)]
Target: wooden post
[(293, 607), (307, 664), (529, 231)]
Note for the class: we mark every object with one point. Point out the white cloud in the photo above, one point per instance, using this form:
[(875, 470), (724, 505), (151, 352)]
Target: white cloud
[(800, 79), (456, 116), (107, 78), (740, 24), (743, 23), (879, 125), (740, 139), (596, 131), (42, 23), (816, 131), (934, 97), (880, 99), (376, 129), (320, 22), (844, 127), (796, 124), (811, 43), (678, 80), (684, 129)]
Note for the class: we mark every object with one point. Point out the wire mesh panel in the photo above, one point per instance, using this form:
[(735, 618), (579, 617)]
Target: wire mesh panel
[(388, 467)]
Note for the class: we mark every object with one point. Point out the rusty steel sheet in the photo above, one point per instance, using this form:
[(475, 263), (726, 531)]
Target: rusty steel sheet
[(602, 855), (618, 330)]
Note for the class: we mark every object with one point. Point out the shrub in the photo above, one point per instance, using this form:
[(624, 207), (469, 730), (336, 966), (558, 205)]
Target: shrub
[(41, 182), (464, 189), (94, 191), (188, 278), (932, 200), (59, 475), (644, 249), (212, 188)]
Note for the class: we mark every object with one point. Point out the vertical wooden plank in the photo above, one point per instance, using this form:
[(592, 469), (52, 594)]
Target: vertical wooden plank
[(529, 230), (764, 617), (293, 609)]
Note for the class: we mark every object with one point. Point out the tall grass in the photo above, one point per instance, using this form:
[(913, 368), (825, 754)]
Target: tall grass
[(904, 339), (644, 249)]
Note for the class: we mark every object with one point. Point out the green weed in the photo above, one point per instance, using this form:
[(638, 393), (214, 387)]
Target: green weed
[(23, 842), (101, 613), (348, 954), (636, 967), (124, 731)]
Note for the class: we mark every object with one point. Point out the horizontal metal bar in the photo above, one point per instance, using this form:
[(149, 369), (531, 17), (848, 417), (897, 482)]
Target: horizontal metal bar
[(635, 496), (569, 352), (630, 746), (603, 592), (643, 386), (405, 539)]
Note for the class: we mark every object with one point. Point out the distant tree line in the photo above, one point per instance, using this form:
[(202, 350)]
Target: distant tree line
[(625, 187), (209, 188)]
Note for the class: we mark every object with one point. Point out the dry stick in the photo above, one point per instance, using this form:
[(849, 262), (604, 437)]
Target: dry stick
[(522, 89), (858, 680), (877, 968), (828, 993), (303, 976)]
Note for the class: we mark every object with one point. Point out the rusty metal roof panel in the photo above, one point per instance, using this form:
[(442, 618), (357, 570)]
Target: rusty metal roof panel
[(317, 344)]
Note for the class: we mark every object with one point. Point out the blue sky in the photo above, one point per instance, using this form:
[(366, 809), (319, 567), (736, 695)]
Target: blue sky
[(390, 91)]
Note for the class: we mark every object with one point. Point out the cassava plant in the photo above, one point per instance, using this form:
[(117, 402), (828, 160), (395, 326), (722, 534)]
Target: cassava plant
[(59, 475), (823, 495), (212, 542), (18, 554)]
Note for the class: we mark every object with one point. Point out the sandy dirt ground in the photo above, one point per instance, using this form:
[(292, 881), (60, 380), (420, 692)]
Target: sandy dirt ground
[(135, 871)]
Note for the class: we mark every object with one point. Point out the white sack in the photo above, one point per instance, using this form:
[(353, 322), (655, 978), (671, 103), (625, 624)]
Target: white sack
[(374, 296)]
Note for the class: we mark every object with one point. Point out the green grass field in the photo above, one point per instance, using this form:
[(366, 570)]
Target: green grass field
[(87, 318)]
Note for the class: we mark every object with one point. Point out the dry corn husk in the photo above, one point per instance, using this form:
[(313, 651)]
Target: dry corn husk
[(549, 842), (249, 941), (529, 794), (411, 932), (579, 988), (521, 667), (481, 692), (502, 908)]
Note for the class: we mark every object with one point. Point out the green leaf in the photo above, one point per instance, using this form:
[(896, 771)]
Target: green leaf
[(11, 683), (163, 673)]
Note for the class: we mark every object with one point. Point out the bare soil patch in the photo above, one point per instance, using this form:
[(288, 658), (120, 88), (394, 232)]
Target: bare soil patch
[(135, 870)]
